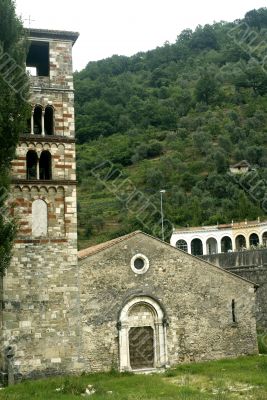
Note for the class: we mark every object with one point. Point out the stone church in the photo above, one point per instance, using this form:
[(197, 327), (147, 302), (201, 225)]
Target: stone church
[(134, 303)]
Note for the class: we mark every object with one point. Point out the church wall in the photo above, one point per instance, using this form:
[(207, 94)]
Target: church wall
[(251, 265), (197, 298)]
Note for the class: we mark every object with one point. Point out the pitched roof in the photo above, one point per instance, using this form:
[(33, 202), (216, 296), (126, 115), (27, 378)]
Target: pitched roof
[(240, 164), (102, 246), (82, 254)]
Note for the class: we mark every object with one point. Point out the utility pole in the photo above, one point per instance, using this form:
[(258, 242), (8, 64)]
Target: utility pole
[(161, 209)]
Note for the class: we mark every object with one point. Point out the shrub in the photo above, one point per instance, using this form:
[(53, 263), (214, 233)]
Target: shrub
[(262, 341)]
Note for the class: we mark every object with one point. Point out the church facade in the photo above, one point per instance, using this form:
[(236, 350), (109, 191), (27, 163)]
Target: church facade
[(134, 303), (145, 304)]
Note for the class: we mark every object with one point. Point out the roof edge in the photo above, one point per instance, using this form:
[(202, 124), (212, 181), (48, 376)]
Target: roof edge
[(52, 34), (82, 254), (111, 243)]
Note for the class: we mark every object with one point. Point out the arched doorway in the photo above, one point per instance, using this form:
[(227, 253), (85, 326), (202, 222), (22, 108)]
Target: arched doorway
[(196, 247), (182, 245), (226, 244), (264, 239), (142, 335), (212, 246), (254, 240), (240, 242)]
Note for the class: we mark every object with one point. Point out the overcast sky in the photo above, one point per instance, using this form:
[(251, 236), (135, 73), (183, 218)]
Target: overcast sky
[(125, 27)]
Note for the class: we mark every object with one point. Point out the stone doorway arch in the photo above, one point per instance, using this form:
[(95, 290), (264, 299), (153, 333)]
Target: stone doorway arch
[(142, 335)]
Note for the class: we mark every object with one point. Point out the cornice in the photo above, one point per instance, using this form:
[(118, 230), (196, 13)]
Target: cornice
[(38, 182), (46, 138)]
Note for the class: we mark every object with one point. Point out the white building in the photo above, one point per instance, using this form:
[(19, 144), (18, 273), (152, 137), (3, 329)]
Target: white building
[(203, 240)]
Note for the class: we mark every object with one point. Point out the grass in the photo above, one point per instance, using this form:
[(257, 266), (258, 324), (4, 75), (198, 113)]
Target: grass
[(242, 378)]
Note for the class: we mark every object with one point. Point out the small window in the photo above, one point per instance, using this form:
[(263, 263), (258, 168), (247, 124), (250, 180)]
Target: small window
[(49, 120), (240, 242), (31, 161), (196, 247), (233, 311), (38, 58), (37, 120), (226, 244), (45, 166), (139, 264), (182, 245), (254, 240), (264, 239)]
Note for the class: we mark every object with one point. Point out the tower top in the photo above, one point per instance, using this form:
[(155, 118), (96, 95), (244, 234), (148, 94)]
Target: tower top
[(52, 34)]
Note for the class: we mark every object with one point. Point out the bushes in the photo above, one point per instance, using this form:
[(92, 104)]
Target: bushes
[(152, 149), (262, 341)]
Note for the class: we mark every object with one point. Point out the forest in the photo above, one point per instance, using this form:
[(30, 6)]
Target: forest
[(174, 118)]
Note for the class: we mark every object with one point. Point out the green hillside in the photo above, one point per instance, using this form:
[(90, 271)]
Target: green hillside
[(174, 118)]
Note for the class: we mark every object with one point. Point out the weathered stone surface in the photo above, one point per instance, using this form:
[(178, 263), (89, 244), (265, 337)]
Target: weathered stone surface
[(251, 265), (40, 315), (196, 298)]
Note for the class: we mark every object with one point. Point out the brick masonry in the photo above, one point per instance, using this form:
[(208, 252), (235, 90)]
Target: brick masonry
[(40, 301)]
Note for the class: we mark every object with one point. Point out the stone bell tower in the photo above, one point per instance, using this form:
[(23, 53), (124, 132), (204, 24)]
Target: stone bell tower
[(40, 315)]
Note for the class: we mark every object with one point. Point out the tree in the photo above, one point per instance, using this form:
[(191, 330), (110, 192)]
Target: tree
[(13, 111), (257, 18), (206, 87)]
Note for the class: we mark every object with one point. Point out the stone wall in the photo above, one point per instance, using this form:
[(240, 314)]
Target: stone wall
[(63, 158), (40, 296), (196, 298), (250, 265), (40, 315)]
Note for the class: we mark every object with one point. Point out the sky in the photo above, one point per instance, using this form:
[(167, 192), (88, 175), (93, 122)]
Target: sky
[(126, 27)]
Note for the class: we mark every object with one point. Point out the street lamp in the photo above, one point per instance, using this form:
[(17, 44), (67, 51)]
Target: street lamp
[(162, 217)]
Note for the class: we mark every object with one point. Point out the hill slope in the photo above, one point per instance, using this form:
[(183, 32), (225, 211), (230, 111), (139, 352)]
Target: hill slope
[(173, 118)]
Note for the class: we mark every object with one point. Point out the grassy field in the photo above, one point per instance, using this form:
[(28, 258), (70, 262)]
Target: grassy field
[(243, 378)]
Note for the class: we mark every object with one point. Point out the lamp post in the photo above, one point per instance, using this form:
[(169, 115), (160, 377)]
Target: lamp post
[(162, 217)]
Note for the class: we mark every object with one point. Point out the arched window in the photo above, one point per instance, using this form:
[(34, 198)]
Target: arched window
[(264, 239), (254, 239), (240, 242), (45, 166), (196, 247), (212, 246), (182, 245), (32, 161), (39, 218), (37, 120), (226, 244), (49, 120)]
